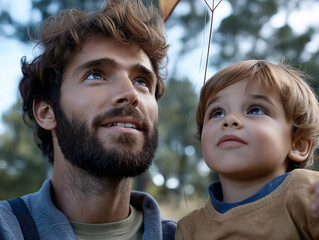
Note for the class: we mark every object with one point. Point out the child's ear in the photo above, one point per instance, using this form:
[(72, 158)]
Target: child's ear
[(44, 115), (299, 150)]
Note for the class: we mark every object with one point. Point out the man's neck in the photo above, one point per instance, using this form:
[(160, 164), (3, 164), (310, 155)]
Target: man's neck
[(84, 198)]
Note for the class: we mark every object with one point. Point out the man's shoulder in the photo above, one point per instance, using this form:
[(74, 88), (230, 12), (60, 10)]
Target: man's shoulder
[(152, 219), (168, 228), (48, 219), (144, 202), (9, 225)]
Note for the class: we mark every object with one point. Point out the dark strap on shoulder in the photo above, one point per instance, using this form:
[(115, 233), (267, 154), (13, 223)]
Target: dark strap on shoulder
[(25, 219)]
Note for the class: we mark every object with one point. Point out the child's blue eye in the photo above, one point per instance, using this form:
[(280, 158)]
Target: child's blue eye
[(218, 114), (256, 110)]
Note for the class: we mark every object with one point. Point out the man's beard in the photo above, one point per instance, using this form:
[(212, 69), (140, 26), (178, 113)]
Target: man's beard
[(83, 149)]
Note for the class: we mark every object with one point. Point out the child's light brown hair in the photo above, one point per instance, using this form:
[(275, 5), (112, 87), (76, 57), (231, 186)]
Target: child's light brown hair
[(299, 101)]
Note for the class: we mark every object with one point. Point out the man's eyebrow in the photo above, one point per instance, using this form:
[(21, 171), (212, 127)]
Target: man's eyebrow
[(101, 62), (144, 70)]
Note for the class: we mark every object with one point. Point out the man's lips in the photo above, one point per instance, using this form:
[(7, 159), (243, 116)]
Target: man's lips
[(121, 124), (126, 122), (230, 138)]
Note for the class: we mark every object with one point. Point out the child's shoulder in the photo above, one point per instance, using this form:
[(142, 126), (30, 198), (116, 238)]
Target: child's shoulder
[(305, 175), (190, 225), (300, 180), (199, 215), (298, 185), (194, 214)]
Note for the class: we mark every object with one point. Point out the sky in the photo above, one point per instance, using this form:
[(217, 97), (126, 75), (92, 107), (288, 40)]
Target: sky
[(12, 50)]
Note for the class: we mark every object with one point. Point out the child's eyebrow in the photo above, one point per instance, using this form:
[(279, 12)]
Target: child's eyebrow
[(213, 100), (262, 97), (252, 96)]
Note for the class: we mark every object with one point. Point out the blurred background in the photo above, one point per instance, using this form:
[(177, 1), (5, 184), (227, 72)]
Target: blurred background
[(178, 179)]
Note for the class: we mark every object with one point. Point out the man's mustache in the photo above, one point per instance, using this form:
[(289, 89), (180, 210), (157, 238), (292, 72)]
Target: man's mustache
[(121, 112)]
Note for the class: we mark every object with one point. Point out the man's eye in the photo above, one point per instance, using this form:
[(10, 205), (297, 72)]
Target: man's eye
[(94, 75), (218, 113), (256, 110), (141, 81)]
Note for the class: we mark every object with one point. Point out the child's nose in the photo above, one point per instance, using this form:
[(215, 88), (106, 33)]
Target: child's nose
[(232, 121)]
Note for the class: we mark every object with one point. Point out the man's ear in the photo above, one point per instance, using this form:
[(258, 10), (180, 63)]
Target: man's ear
[(299, 150), (44, 114)]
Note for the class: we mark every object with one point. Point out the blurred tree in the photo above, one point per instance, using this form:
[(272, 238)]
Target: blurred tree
[(248, 32), (40, 10), (179, 151), (22, 167)]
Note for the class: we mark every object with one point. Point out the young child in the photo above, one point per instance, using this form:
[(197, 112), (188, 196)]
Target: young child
[(258, 123)]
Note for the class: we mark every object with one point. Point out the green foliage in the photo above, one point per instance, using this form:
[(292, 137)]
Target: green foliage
[(22, 167), (179, 151), (42, 9), (250, 25), (246, 33)]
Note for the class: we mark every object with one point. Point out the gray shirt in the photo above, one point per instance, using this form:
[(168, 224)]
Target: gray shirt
[(53, 224)]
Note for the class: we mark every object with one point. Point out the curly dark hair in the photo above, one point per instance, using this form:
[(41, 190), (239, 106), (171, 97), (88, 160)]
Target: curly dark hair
[(125, 21)]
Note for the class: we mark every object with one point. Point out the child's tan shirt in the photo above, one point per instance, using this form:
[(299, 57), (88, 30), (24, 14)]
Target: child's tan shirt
[(283, 214)]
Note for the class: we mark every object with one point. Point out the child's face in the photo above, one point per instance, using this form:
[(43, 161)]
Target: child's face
[(246, 133)]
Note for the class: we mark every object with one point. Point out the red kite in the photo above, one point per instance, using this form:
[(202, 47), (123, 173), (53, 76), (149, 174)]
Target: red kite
[(167, 7)]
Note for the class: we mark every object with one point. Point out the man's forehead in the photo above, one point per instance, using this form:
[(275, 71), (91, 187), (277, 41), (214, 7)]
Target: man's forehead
[(103, 47)]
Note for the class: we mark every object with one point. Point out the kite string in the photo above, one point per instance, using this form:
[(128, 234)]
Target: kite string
[(210, 33), (212, 9), (210, 37)]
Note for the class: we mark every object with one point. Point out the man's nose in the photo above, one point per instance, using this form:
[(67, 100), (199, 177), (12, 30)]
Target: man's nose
[(125, 93), (232, 121)]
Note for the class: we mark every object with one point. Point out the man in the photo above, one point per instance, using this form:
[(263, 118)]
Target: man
[(91, 97)]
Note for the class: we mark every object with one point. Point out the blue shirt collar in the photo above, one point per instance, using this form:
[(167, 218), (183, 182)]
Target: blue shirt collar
[(216, 194)]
